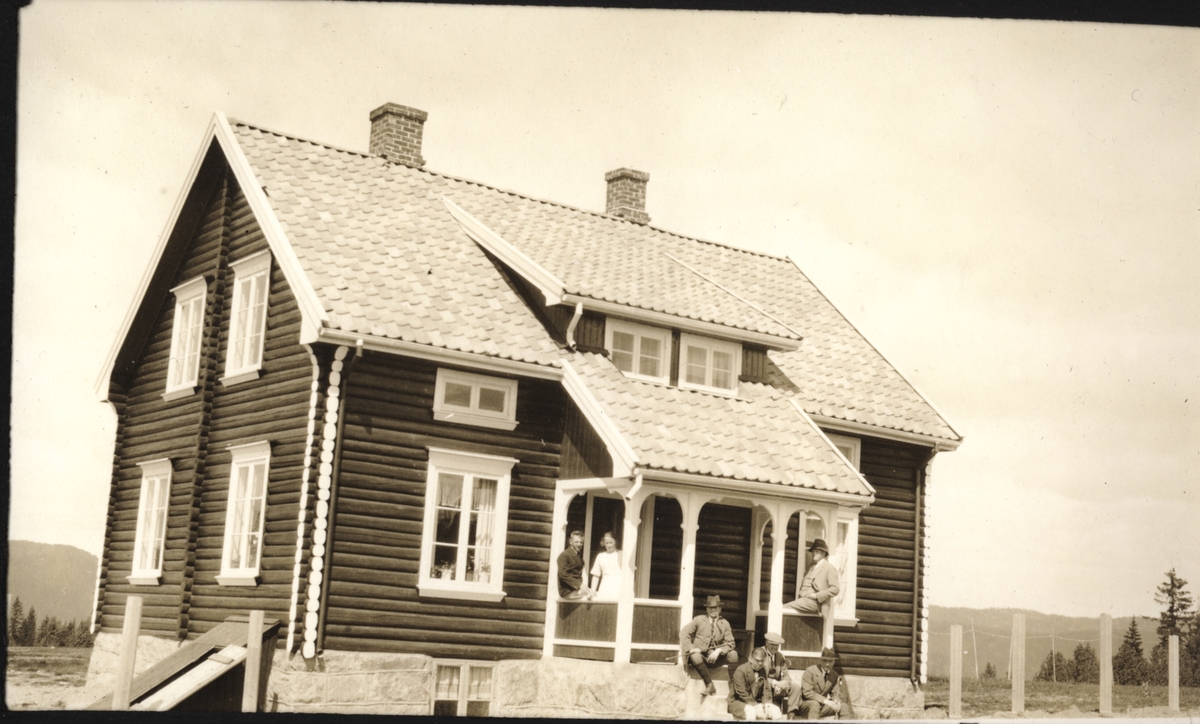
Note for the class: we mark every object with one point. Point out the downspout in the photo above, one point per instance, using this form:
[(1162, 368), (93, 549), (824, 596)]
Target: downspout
[(574, 323), (918, 520)]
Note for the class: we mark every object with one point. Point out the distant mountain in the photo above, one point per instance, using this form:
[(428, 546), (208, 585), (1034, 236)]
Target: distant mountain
[(57, 580), (993, 632)]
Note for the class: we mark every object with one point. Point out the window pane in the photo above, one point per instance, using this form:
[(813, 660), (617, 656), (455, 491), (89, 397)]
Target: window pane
[(481, 536), (446, 686), (722, 370), (480, 686), (491, 399), (478, 708), (457, 394), (650, 357), (697, 360), (622, 351), (445, 708)]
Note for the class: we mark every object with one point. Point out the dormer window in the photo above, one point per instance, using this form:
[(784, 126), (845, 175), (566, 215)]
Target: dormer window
[(186, 329), (708, 364), (639, 350), (473, 399), (248, 319)]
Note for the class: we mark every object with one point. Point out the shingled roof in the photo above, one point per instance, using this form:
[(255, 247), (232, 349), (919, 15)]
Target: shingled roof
[(386, 257)]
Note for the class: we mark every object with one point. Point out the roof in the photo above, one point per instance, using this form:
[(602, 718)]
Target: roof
[(758, 436)]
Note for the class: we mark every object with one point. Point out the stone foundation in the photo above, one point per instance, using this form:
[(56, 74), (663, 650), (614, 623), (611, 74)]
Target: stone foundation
[(377, 683)]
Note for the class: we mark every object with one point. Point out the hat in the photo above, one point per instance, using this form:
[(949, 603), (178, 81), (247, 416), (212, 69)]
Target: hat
[(774, 638), (819, 545), (828, 655), (712, 601)]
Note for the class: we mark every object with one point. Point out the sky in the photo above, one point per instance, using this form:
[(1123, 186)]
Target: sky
[(1009, 210)]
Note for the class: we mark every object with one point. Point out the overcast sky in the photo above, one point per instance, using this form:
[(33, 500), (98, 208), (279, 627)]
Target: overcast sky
[(1008, 210)]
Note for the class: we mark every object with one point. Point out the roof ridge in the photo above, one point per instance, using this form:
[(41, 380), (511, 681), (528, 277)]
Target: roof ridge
[(510, 192)]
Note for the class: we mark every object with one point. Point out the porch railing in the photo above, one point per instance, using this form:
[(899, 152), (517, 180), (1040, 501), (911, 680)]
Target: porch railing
[(588, 630)]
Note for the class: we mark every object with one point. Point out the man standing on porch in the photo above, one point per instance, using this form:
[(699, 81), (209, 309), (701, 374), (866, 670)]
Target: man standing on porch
[(820, 584), (706, 639), (570, 569)]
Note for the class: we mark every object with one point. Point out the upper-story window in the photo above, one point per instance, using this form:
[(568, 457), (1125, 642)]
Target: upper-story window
[(466, 525), (709, 364), (639, 350), (245, 513), (850, 447), (186, 330), (151, 533), (475, 399), (248, 317)]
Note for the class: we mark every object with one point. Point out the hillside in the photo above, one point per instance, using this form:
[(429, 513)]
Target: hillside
[(57, 580), (993, 628)]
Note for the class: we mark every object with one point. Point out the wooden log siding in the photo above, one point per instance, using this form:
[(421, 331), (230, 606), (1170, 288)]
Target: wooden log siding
[(195, 431), (882, 644), (723, 560), (372, 559)]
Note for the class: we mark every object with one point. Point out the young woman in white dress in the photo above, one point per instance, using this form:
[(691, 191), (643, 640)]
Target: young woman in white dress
[(606, 570)]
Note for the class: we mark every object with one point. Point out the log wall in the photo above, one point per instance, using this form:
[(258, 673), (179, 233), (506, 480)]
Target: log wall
[(377, 519), (194, 433)]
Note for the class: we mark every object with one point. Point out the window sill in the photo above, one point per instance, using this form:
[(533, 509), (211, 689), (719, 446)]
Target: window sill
[(151, 579), (666, 381), (172, 395), (846, 622), (710, 390), (472, 418), (434, 590), (240, 377), (238, 579)]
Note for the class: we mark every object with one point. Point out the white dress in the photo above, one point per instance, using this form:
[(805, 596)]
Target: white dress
[(607, 569)]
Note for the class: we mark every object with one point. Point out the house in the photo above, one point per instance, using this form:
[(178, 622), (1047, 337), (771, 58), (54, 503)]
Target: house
[(373, 400)]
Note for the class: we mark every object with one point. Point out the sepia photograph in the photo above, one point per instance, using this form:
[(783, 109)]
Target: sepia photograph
[(553, 362)]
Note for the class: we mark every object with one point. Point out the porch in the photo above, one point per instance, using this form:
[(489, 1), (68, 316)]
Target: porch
[(678, 543)]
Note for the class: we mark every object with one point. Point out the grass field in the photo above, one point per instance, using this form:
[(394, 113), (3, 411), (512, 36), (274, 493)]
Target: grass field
[(986, 697), (44, 678)]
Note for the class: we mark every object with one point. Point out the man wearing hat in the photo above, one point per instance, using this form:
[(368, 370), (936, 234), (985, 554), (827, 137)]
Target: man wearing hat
[(819, 689), (775, 669), (706, 639), (820, 584), (750, 691)]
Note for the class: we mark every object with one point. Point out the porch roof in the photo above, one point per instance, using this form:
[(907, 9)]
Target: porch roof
[(758, 436)]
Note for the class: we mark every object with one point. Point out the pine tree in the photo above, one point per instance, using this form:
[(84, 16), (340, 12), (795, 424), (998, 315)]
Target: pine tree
[(29, 628), (989, 671), (66, 635), (1085, 667), (1130, 665), (1175, 618), (1054, 668), (16, 618)]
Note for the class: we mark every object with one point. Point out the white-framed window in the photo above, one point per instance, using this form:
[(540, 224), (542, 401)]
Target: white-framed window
[(639, 350), (466, 525), (245, 513), (151, 534), (248, 317), (709, 364), (187, 327), (850, 447), (461, 688), (475, 399)]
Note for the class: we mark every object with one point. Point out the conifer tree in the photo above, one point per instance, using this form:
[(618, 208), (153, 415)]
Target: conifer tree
[(1085, 667), (16, 618), (1176, 616), (29, 628), (989, 672), (1129, 665), (1054, 668)]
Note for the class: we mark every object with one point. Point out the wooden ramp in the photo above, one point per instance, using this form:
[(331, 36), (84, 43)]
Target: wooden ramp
[(194, 665)]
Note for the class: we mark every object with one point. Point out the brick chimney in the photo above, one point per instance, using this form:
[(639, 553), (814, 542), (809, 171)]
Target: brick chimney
[(396, 133), (627, 194)]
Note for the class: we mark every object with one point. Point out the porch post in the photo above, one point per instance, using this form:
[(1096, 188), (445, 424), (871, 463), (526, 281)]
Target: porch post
[(633, 511), (779, 526), (831, 539), (558, 530), (689, 504)]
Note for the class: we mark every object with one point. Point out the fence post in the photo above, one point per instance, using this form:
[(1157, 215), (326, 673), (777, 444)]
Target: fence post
[(1018, 663), (1173, 673), (1106, 674), (956, 655), (253, 662), (129, 637)]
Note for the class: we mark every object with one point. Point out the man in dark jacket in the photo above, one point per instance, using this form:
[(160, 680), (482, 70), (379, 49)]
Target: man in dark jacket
[(570, 569), (707, 639), (819, 689), (750, 690), (784, 693)]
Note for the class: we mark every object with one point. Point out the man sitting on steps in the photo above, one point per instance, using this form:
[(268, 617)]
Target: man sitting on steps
[(707, 639), (750, 690), (819, 689)]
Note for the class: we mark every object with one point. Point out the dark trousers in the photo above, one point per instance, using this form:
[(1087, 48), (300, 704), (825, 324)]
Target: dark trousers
[(815, 710), (699, 662)]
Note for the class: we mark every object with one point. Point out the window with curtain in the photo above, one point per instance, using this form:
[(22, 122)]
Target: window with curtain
[(462, 689), (187, 326), (152, 522), (639, 350), (248, 317), (245, 513), (462, 555), (709, 364)]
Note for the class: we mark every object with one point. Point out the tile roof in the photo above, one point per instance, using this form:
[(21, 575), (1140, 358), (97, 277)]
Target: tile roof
[(387, 258), (757, 436)]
